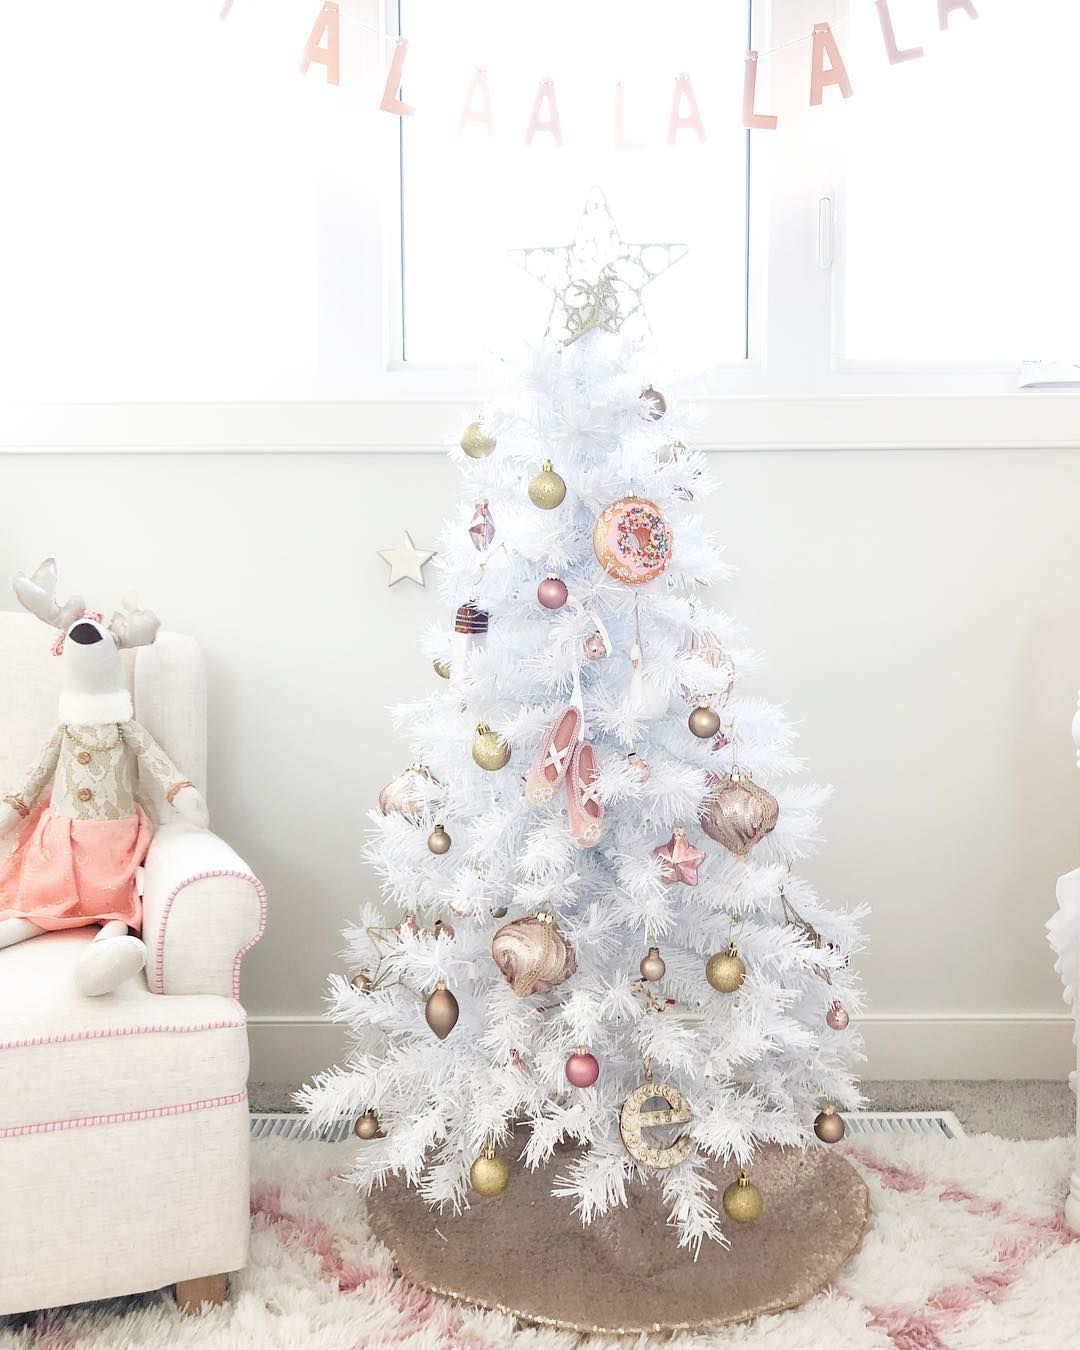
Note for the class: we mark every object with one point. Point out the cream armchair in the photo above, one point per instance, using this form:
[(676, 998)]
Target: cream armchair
[(123, 1119)]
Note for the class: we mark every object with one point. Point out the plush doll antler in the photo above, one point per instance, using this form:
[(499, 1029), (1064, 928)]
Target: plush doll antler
[(37, 593)]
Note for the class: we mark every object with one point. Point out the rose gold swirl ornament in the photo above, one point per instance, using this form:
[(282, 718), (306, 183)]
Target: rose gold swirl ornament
[(409, 794), (632, 540), (532, 955), (739, 814)]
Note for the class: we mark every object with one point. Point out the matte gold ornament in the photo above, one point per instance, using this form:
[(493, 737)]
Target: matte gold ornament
[(409, 794), (656, 401), (475, 441), (725, 971), (652, 965), (532, 954), (742, 1200), (738, 813), (367, 1126), (441, 668), (633, 1121), (361, 982), (441, 1011), (704, 722), (547, 490), (438, 840), (829, 1125), (489, 1175), (488, 751)]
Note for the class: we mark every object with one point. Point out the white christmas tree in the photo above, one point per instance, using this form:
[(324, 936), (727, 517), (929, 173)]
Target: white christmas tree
[(597, 931)]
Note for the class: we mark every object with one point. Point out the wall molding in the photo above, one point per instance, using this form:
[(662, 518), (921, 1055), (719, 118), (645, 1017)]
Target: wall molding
[(898, 1045)]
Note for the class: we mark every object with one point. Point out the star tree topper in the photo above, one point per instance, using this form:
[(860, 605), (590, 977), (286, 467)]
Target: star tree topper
[(597, 280)]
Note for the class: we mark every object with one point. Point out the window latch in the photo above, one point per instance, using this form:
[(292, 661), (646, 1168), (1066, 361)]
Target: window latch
[(825, 233)]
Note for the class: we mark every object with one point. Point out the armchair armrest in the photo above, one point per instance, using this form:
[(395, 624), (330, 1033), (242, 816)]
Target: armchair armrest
[(203, 910)]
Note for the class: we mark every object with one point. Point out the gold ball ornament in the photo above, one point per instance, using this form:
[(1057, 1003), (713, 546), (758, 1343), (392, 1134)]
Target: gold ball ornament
[(652, 965), (361, 981), (829, 1125), (704, 723), (547, 490), (441, 668), (725, 971), (475, 442), (439, 840), (441, 1011), (367, 1126), (489, 1175), (742, 1200), (488, 751)]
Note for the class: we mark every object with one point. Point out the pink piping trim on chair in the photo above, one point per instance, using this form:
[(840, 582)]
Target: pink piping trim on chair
[(122, 1117), (64, 1038), (159, 955)]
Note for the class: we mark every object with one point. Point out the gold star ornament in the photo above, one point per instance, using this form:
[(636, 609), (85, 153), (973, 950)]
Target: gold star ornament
[(597, 280), (406, 560)]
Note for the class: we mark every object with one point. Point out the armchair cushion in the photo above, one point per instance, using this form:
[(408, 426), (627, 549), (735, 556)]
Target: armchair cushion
[(203, 909)]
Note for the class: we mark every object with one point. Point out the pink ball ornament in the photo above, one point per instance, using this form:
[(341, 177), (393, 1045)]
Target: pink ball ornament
[(552, 593), (837, 1017), (582, 1069)]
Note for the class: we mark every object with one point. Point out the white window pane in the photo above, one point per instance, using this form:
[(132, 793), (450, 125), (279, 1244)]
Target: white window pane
[(961, 207), (468, 198)]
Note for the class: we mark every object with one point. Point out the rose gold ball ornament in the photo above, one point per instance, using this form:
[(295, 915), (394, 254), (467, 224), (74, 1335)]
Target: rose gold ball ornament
[(532, 954), (441, 1011), (704, 723), (361, 982), (595, 647), (638, 767), (742, 1200), (552, 592), (632, 540), (443, 929), (441, 668), (738, 813), (409, 794), (837, 1017), (657, 403), (652, 965), (829, 1125), (582, 1069), (475, 442), (725, 971), (439, 840), (547, 490), (367, 1126), (488, 751), (489, 1175)]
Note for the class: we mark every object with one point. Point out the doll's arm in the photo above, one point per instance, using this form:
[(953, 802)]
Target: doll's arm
[(16, 805), (180, 792)]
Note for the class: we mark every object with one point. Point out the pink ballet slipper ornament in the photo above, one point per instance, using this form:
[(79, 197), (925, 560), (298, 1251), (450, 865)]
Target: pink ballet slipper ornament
[(584, 810), (552, 760), (679, 859)]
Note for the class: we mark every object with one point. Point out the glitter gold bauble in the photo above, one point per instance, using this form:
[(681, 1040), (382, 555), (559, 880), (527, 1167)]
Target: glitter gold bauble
[(438, 840), (742, 1200), (367, 1126), (475, 442), (739, 814), (829, 1125), (489, 1175), (488, 751), (725, 971), (704, 722), (441, 668), (441, 1011), (633, 1121), (532, 954), (547, 490), (652, 965)]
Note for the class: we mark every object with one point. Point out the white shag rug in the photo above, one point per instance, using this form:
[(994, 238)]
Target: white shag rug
[(966, 1250)]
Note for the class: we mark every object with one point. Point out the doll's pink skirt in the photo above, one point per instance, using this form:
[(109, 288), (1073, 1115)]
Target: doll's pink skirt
[(65, 873)]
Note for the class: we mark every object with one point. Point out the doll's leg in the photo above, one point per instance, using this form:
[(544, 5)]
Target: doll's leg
[(17, 930), (113, 957)]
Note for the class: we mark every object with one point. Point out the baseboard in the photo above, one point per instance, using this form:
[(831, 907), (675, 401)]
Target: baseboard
[(898, 1045)]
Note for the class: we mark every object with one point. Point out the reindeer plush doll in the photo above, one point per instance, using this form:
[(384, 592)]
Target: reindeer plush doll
[(83, 836)]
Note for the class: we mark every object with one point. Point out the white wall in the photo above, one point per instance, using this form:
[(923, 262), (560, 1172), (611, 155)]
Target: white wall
[(921, 613)]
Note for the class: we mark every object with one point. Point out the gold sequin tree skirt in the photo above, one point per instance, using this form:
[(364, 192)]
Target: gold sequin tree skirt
[(526, 1253)]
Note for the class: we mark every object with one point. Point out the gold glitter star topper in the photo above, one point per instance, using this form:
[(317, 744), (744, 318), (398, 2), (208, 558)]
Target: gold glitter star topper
[(597, 281)]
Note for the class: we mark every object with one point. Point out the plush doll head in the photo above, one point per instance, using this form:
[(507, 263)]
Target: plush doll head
[(93, 689)]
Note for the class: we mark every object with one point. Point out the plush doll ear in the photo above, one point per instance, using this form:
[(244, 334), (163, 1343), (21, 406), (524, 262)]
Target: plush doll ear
[(134, 627)]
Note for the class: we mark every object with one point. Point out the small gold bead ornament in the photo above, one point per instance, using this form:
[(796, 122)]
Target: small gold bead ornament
[(547, 490), (438, 840), (367, 1126), (652, 965), (441, 668), (489, 1175), (475, 441), (488, 751), (361, 982), (725, 971), (742, 1200), (829, 1125)]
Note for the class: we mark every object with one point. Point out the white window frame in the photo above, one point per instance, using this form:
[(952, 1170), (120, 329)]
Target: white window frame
[(793, 392)]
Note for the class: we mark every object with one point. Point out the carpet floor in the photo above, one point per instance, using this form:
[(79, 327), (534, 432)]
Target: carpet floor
[(966, 1250)]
